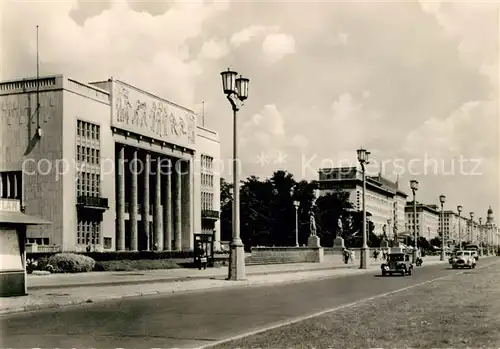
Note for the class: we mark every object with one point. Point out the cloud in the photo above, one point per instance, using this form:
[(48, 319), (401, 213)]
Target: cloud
[(247, 34), (277, 46), (134, 46), (213, 49)]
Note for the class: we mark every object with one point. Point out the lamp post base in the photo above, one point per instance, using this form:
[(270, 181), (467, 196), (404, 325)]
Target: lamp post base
[(364, 258), (237, 262)]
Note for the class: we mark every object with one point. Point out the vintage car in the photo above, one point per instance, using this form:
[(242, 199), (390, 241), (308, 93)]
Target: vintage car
[(398, 262), (464, 259), (452, 258)]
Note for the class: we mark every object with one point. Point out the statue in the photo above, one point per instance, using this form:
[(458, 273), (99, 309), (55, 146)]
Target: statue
[(340, 228), (312, 223)]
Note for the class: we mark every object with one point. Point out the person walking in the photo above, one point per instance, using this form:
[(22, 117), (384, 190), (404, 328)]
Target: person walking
[(346, 255)]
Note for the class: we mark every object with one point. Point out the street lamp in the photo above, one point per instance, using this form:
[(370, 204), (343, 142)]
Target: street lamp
[(236, 91), (481, 240), (459, 210), (297, 205), (414, 188), (442, 200), (363, 155), (471, 237)]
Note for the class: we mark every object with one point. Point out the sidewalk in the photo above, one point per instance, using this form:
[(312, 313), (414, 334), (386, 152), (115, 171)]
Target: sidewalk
[(60, 296), (54, 281)]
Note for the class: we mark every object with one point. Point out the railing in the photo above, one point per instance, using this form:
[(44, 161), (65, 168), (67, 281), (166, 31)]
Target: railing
[(92, 202), (210, 214)]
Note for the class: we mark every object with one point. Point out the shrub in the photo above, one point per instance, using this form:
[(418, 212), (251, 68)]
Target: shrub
[(131, 265), (67, 263)]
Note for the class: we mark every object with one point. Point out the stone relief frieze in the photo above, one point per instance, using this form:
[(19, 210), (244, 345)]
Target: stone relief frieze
[(146, 113)]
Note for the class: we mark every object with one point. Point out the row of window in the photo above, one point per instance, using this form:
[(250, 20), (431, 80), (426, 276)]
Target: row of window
[(207, 163), (88, 155), (88, 232), (38, 241), (10, 185), (88, 184), (207, 180), (207, 201), (87, 130)]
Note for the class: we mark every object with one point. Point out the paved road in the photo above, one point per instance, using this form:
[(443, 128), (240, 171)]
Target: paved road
[(194, 319)]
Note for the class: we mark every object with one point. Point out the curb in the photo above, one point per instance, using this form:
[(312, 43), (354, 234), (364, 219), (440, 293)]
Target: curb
[(213, 287), (178, 279)]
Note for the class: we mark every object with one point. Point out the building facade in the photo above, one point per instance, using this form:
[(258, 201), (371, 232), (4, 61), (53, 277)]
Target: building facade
[(113, 167), (384, 200), (426, 220)]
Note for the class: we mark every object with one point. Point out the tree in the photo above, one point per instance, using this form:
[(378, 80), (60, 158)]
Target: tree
[(226, 210), (330, 208)]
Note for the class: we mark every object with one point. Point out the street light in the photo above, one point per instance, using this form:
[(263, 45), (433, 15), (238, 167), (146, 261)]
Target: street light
[(363, 155), (236, 91), (414, 188), (471, 237), (481, 240), (459, 210), (442, 200), (297, 205)]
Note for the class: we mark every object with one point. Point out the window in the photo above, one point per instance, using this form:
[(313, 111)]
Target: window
[(87, 156)]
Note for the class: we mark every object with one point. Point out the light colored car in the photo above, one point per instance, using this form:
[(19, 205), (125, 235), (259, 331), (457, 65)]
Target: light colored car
[(464, 259)]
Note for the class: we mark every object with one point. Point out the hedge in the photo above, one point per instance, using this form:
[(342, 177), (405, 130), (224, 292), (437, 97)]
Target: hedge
[(129, 255), (66, 263)]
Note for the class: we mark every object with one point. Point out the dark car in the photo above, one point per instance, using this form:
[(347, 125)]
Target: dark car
[(397, 263)]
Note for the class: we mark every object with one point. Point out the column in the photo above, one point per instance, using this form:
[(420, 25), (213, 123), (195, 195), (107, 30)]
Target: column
[(167, 210), (133, 204), (178, 209), (157, 222), (187, 235), (120, 201), (1, 184), (7, 177), (145, 201), (15, 184)]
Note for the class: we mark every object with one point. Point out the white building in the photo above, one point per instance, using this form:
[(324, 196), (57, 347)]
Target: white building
[(113, 167), (384, 200), (427, 220)]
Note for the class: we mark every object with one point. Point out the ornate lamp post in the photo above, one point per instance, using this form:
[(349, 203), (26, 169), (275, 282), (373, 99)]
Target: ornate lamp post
[(297, 205), (459, 210), (481, 240), (442, 200), (471, 238), (414, 188), (363, 160), (236, 91)]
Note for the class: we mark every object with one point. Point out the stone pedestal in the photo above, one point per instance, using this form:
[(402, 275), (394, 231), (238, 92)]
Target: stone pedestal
[(338, 243), (237, 270), (313, 241)]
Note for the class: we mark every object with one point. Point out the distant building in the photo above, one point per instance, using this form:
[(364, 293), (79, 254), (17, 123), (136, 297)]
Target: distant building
[(384, 200), (426, 221), (70, 161)]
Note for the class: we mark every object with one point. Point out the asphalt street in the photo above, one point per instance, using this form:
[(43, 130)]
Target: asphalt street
[(197, 318)]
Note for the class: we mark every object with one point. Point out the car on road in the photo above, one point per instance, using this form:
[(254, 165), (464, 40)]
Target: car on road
[(452, 258), (464, 259), (398, 262)]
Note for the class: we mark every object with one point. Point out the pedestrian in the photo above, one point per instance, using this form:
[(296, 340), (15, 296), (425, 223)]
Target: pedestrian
[(346, 255), (353, 256), (375, 254)]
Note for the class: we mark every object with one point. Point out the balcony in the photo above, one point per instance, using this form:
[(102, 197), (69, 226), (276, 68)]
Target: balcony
[(92, 202), (210, 215)]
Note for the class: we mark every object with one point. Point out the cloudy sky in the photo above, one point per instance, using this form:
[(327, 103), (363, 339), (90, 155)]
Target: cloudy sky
[(414, 82)]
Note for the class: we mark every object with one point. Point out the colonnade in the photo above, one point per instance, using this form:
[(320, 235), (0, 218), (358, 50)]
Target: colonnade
[(153, 201)]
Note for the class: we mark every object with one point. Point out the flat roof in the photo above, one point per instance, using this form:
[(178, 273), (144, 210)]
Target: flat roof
[(13, 217)]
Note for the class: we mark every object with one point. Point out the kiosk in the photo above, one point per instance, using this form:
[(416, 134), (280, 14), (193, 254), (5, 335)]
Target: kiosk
[(204, 249), (13, 224)]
